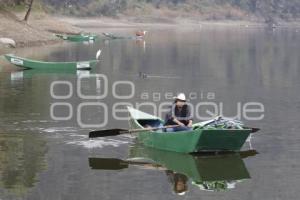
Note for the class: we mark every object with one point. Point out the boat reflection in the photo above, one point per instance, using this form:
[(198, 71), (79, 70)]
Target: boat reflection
[(208, 172), (29, 73)]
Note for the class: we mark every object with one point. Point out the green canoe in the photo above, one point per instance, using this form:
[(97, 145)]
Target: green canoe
[(78, 38), (197, 140), (113, 37), (40, 65)]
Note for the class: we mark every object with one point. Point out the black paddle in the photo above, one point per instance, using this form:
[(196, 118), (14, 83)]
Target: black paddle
[(254, 130), (115, 163), (114, 132), (107, 163), (248, 153), (105, 133)]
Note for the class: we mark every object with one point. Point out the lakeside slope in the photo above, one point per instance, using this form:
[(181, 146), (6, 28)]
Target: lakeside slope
[(39, 30)]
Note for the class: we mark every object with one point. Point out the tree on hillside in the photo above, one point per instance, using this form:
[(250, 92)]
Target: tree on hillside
[(11, 2), (29, 9)]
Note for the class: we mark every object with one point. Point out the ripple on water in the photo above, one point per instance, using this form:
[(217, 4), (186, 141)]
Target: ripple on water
[(99, 143), (60, 129)]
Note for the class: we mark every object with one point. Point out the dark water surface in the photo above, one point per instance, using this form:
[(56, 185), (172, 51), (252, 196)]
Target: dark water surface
[(43, 157)]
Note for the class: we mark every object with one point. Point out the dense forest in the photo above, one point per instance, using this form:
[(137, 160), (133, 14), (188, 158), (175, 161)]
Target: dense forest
[(267, 10)]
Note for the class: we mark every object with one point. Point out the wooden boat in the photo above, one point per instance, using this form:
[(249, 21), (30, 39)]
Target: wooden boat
[(78, 38), (197, 140), (40, 65)]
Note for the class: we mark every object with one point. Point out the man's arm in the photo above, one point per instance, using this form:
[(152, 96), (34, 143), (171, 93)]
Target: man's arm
[(190, 118), (190, 124), (178, 122)]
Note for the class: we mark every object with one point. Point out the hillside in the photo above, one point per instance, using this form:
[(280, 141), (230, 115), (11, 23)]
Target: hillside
[(41, 25), (269, 11), (38, 31)]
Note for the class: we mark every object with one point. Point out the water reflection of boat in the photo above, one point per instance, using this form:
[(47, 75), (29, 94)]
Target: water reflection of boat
[(20, 75), (199, 167), (207, 171)]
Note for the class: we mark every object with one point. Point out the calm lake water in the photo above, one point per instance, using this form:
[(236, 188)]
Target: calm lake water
[(45, 152)]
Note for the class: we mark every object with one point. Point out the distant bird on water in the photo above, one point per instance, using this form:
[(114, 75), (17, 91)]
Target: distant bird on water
[(140, 33)]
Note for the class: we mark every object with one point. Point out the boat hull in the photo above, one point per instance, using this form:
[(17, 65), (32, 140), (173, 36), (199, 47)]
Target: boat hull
[(198, 140), (33, 64), (114, 37), (78, 38)]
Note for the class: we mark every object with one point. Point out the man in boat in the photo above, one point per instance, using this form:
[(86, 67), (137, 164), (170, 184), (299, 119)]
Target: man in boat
[(179, 115)]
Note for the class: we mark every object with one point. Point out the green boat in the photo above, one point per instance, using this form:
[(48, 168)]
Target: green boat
[(114, 37), (200, 139), (40, 65), (78, 38)]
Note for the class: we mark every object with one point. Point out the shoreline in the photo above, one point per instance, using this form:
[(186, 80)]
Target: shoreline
[(41, 27), (126, 22), (38, 31)]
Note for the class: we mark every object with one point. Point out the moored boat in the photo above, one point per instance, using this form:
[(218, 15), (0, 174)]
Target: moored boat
[(114, 37), (78, 38), (41, 65), (199, 139)]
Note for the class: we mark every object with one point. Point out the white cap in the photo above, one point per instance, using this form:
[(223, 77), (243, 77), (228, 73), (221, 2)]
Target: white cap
[(181, 97)]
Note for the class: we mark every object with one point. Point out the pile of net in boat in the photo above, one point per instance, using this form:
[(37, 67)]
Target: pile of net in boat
[(223, 123)]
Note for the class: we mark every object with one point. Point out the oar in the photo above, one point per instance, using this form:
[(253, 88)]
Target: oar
[(107, 164), (114, 132), (115, 163), (253, 130), (248, 153)]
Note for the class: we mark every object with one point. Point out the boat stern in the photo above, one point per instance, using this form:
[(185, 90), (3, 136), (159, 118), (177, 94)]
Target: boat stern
[(222, 140)]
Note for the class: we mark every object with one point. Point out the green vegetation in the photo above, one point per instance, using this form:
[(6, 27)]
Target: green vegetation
[(22, 158), (20, 5), (259, 10)]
